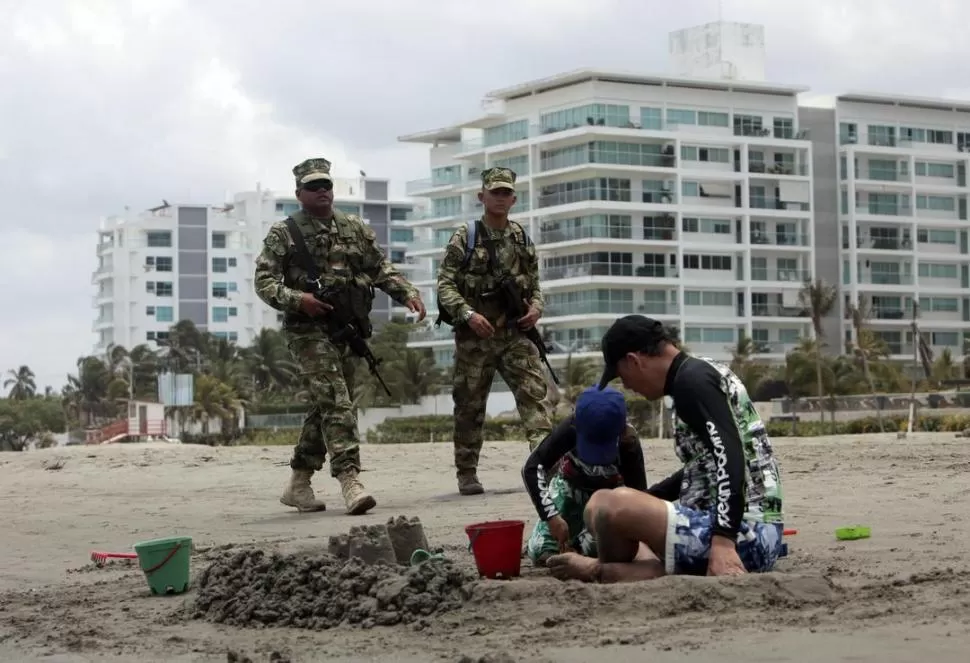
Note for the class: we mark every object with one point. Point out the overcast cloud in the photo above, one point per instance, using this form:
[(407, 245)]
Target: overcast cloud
[(108, 103)]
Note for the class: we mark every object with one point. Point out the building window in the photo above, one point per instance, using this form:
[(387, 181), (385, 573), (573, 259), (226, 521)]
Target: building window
[(232, 262), (399, 213), (218, 240), (784, 127), (164, 314), (222, 288), (402, 235), (163, 264), (219, 265), (220, 314), (163, 288), (159, 238), (348, 209)]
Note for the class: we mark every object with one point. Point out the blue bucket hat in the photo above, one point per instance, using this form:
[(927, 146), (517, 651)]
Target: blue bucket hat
[(600, 421)]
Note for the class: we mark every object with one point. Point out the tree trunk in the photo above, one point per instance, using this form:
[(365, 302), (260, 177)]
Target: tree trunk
[(818, 384), (872, 390)]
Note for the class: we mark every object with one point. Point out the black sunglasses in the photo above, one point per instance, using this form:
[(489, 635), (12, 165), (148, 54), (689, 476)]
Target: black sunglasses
[(316, 185)]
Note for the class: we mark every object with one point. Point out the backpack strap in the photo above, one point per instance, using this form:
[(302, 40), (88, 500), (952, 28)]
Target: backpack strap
[(302, 252), (471, 235)]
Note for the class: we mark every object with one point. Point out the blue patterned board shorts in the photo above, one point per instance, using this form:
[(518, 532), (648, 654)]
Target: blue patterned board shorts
[(689, 542)]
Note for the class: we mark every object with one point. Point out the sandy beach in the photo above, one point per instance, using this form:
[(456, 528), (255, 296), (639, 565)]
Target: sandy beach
[(902, 595)]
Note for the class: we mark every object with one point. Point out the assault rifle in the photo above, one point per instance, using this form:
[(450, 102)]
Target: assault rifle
[(516, 308), (344, 327)]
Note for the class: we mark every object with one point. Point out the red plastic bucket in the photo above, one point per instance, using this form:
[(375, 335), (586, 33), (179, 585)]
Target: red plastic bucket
[(497, 546)]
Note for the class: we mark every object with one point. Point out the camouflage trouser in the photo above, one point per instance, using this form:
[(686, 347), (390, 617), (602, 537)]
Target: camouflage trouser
[(476, 360), (330, 426), (570, 503)]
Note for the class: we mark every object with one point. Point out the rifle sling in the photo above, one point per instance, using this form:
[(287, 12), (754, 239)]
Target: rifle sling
[(302, 252)]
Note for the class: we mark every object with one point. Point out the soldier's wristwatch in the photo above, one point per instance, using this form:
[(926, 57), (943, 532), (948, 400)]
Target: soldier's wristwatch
[(467, 315)]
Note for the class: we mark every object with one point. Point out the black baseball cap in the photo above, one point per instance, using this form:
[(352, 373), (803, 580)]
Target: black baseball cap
[(631, 333)]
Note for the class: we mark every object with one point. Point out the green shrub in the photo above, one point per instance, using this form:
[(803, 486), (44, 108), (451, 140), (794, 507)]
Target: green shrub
[(929, 423)]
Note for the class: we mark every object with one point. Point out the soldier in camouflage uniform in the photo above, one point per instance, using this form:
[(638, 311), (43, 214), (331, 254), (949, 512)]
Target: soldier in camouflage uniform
[(486, 340), (346, 252)]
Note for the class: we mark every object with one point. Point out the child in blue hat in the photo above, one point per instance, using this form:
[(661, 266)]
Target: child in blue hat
[(595, 448)]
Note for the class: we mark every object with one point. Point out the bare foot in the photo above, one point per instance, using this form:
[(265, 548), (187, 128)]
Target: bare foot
[(573, 566)]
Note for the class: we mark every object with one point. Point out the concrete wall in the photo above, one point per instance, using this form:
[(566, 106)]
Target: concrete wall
[(826, 234)]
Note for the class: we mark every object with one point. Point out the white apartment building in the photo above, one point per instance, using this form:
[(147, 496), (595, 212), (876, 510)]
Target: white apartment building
[(903, 216), (195, 262), (683, 199)]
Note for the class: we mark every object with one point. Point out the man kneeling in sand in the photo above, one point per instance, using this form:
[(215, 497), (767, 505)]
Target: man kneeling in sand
[(728, 518), (594, 449)]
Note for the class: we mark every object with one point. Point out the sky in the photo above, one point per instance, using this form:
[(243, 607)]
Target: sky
[(113, 103)]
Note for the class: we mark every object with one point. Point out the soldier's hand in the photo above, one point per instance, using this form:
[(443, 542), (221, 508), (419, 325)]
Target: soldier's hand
[(312, 306), (529, 320), (415, 305), (481, 326)]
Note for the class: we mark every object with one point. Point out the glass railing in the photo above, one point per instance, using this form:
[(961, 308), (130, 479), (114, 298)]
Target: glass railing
[(884, 209), (606, 269), (442, 333), (607, 307), (783, 275), (589, 307), (778, 239), (583, 195), (586, 231), (882, 175), (764, 202), (773, 348), (887, 313), (769, 168), (608, 157), (658, 308), (775, 310), (471, 212), (886, 279), (788, 133), (882, 243)]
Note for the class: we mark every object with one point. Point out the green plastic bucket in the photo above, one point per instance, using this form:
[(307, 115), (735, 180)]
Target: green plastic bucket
[(166, 563)]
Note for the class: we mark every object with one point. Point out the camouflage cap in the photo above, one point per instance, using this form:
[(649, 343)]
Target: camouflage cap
[(311, 170), (498, 178)]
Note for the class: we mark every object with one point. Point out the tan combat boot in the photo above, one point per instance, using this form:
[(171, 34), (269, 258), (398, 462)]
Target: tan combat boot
[(356, 498), (299, 494), (468, 483)]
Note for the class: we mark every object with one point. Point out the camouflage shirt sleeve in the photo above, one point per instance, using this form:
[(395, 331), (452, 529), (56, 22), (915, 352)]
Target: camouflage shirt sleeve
[(449, 294), (268, 278), (380, 270), (532, 271)]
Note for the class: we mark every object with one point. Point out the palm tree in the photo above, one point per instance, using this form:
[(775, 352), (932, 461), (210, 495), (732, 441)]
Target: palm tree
[(213, 400), (22, 384), (411, 377), (797, 373), (817, 299), (750, 372), (944, 368), (866, 345), (268, 363)]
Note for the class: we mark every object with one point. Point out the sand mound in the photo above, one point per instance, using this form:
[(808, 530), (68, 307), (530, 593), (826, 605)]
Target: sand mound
[(249, 587)]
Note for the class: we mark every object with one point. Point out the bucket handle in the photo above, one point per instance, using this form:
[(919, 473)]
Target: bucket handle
[(171, 554)]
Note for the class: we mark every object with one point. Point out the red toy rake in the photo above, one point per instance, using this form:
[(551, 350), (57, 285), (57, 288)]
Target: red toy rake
[(101, 558)]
